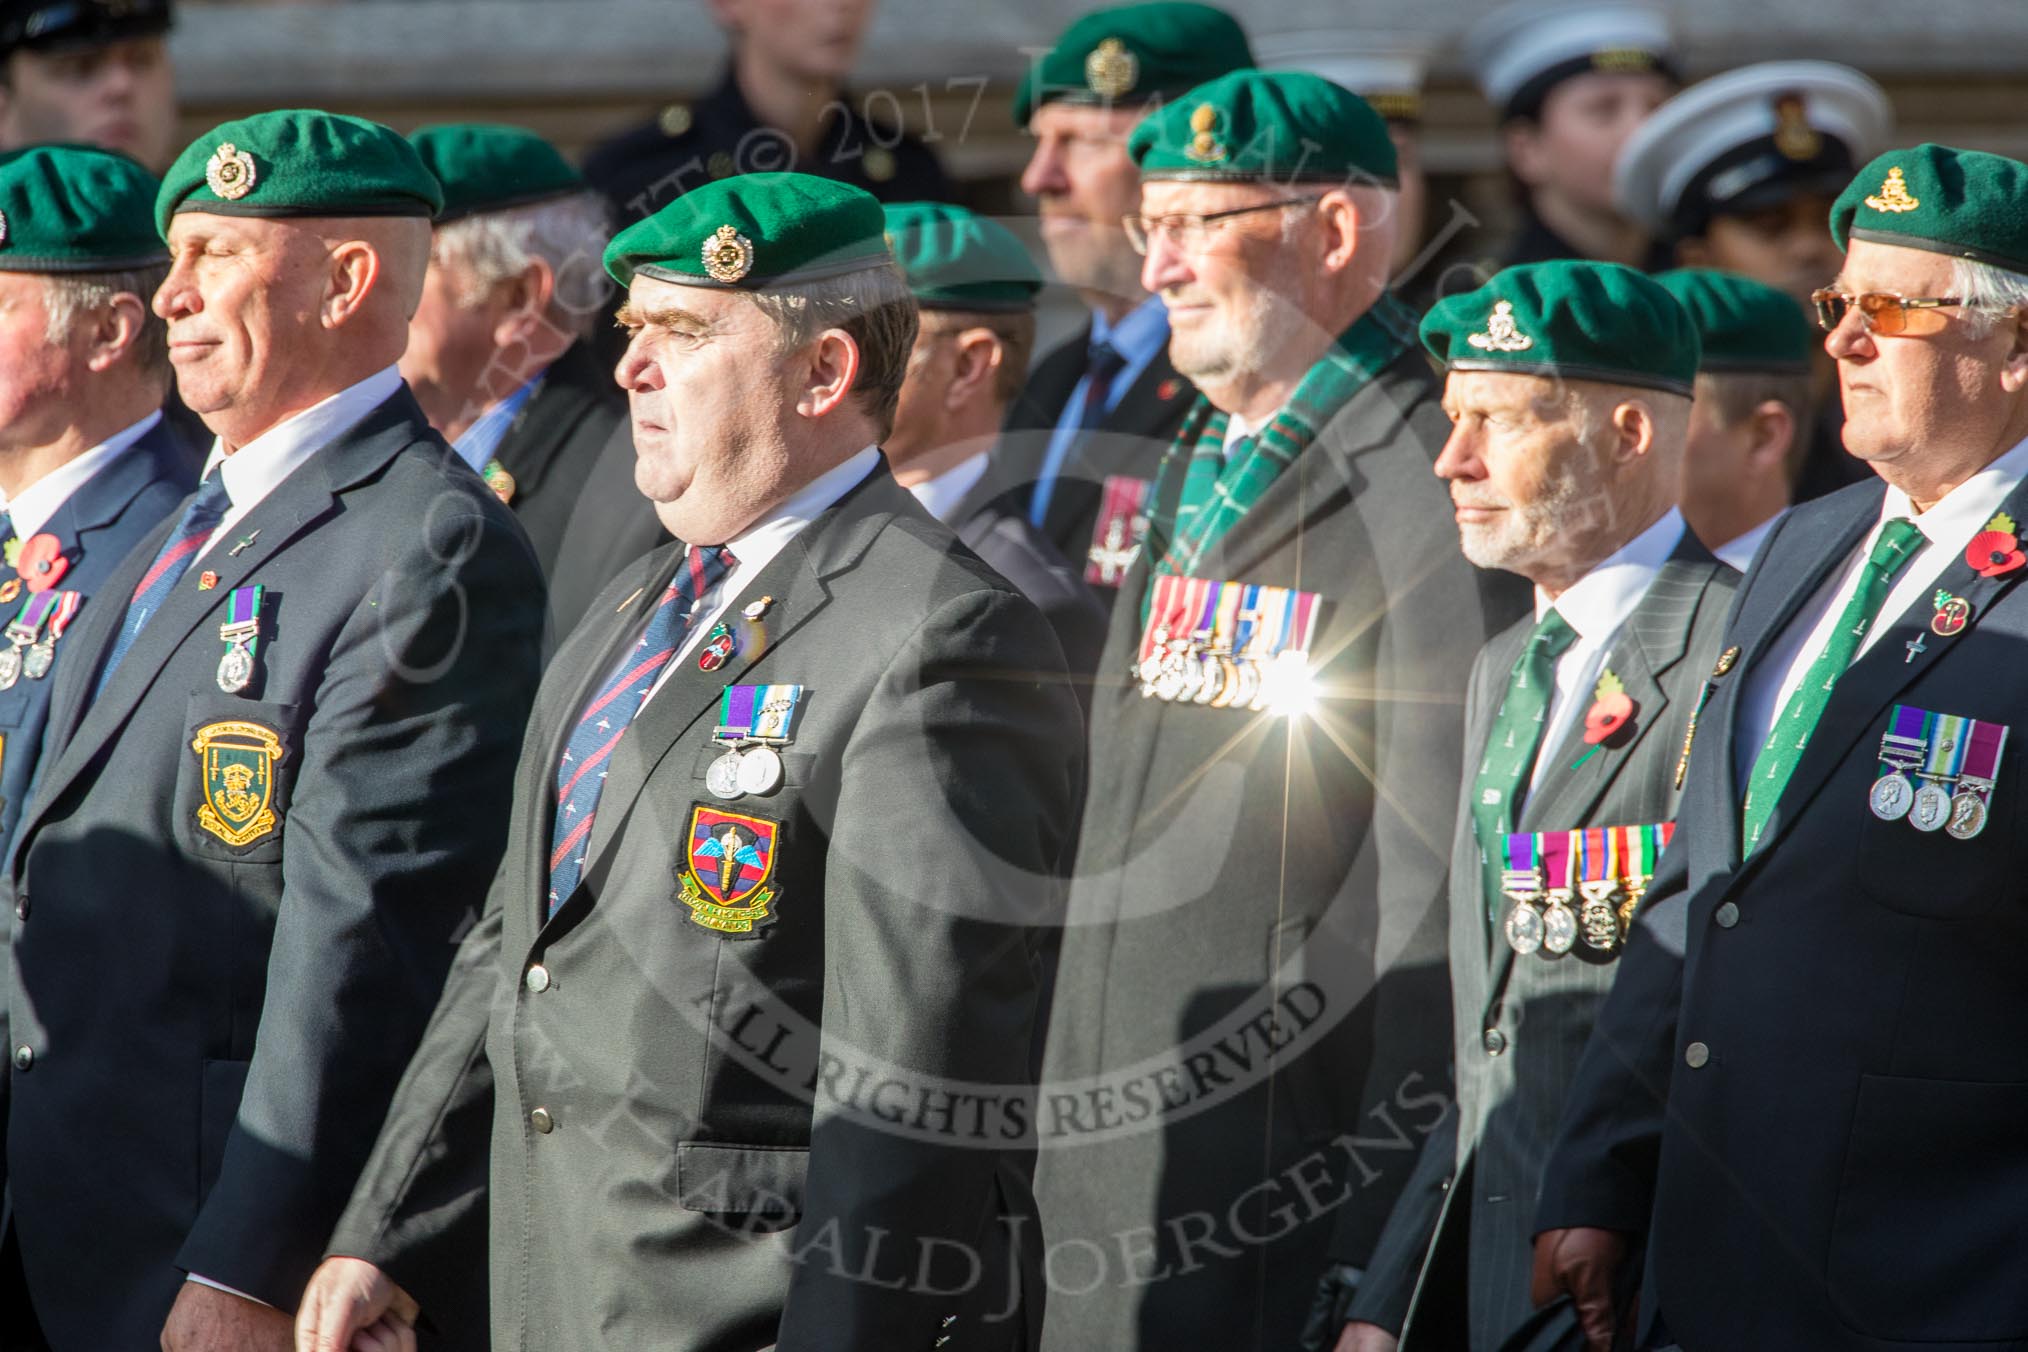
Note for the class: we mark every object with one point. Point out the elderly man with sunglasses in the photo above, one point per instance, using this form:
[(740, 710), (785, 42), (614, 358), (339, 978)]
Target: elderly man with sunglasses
[(1808, 1084), (1249, 1035)]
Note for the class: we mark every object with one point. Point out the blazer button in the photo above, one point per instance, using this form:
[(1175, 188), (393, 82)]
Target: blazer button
[(24, 1058), (1494, 1041), (21, 907), (542, 1121), (538, 979), (1727, 915), (1696, 1055)]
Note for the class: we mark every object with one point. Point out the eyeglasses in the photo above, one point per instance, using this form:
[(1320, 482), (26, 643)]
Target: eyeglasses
[(1879, 311), (1190, 229)]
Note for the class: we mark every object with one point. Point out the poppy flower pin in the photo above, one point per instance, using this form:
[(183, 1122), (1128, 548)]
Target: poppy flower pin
[(1612, 709), (41, 562), (1996, 549)]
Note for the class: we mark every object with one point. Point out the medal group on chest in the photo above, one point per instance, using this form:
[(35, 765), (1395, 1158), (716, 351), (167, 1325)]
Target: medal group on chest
[(1225, 645), (1579, 885)]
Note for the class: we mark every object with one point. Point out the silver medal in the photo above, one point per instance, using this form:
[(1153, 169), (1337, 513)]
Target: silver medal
[(1211, 679), (1931, 809), (1891, 797), (1968, 816), (723, 776), (760, 770), (1524, 929), (1598, 918), (10, 667), (37, 663), (235, 669), (1559, 926)]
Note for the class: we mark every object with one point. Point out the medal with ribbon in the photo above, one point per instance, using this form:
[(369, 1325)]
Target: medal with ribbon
[(241, 633), (35, 664), (1904, 747), (1931, 809), (1980, 772), (1116, 537), (1521, 883), (752, 721), (24, 629), (1599, 884), (1226, 645), (1559, 921)]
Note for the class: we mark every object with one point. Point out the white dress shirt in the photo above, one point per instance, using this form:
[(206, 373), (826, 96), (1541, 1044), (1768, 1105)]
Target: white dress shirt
[(940, 496), (757, 545), (1738, 552), (1948, 525), (259, 467), (31, 508), (1597, 606)]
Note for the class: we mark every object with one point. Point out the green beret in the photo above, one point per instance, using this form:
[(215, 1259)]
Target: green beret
[(1132, 54), (1742, 325), (1578, 320), (295, 163), (753, 231), (484, 166), (954, 260), (76, 209), (1965, 203), (1283, 126)]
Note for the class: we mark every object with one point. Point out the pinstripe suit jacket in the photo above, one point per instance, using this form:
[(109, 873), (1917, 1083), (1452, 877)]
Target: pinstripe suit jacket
[(1521, 1022)]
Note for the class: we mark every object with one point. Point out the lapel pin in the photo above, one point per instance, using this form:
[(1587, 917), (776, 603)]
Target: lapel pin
[(243, 545), (1996, 550), (755, 609), (1953, 613), (1726, 660), (207, 580), (1611, 708)]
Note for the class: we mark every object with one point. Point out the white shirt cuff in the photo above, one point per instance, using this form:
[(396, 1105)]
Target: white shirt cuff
[(221, 1286)]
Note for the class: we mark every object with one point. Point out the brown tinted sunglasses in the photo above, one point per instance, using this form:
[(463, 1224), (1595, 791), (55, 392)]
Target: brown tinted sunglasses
[(1880, 311)]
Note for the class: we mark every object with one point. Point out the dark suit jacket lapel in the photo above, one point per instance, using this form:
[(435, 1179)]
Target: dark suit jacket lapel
[(1881, 673), (533, 445), (299, 501), (1049, 386), (101, 499)]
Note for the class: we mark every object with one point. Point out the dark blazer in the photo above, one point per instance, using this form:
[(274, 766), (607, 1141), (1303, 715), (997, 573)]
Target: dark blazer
[(684, 1161), (611, 526), (990, 522), (552, 445), (96, 526), (207, 1032), (1811, 1070), (1242, 879), (1521, 1022), (1129, 441)]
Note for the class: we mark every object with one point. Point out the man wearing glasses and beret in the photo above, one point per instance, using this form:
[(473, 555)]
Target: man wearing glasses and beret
[(1811, 1057)]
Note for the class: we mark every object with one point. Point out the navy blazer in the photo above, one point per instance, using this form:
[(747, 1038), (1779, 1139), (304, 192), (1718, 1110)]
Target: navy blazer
[(97, 525), (1809, 1082)]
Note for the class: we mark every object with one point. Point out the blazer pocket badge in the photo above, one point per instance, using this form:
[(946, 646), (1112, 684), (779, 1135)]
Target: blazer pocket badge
[(238, 762), (728, 870)]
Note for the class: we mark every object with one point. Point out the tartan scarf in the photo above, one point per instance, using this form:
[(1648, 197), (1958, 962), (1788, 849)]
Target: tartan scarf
[(1216, 491)]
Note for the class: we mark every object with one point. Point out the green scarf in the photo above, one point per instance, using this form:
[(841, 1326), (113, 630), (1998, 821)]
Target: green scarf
[(1217, 492)]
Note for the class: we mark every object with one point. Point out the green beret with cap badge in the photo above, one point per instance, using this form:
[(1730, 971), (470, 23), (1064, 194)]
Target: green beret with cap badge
[(1133, 54), (753, 231), (1273, 126), (955, 260), (299, 162), (1574, 319), (1964, 203), (66, 208), (1742, 325)]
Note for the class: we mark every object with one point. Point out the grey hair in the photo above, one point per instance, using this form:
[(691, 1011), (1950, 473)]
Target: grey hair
[(873, 306), (69, 297), (1986, 292), (569, 234)]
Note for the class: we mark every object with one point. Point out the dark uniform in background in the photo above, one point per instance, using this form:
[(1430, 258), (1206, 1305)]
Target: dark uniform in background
[(237, 886), (1638, 633)]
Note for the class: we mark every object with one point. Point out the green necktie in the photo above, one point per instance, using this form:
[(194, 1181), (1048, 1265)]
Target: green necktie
[(1510, 748), (1900, 540)]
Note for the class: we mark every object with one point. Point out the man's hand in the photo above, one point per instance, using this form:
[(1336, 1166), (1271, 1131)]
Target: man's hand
[(1582, 1263), (1366, 1338), (352, 1306), (205, 1319)]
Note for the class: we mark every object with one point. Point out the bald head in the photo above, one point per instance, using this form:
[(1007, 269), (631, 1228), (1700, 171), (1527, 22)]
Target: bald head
[(270, 316)]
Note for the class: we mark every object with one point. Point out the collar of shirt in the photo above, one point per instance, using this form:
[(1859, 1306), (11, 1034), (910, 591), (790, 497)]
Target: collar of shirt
[(31, 508), (482, 439), (1237, 428), (940, 496), (757, 545), (259, 467), (1738, 552), (1597, 606)]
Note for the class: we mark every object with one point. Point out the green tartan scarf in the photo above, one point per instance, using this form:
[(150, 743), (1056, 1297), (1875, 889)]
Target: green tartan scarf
[(1217, 492)]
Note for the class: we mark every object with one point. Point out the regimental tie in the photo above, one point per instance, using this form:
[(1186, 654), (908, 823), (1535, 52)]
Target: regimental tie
[(1512, 745), (581, 774), (1900, 540), (201, 516)]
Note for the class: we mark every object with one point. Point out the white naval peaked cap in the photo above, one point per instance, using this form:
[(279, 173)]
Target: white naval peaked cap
[(1738, 141), (1520, 50), (1385, 69)]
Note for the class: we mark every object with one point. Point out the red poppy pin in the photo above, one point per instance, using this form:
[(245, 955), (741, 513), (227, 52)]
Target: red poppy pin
[(1611, 710), (1996, 549), (1168, 389), (41, 562)]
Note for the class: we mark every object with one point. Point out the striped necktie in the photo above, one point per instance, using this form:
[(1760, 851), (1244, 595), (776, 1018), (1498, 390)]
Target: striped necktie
[(581, 774), (201, 515)]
